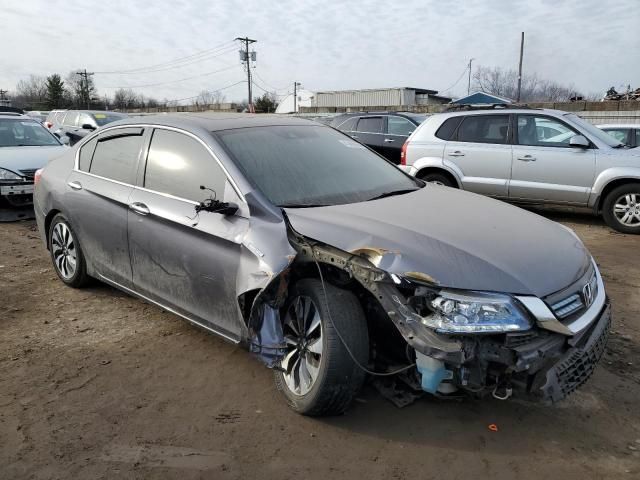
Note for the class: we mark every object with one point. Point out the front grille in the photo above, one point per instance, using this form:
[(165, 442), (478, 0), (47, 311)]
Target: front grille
[(571, 302), (28, 173)]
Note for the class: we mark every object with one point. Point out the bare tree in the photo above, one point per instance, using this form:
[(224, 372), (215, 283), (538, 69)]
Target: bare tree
[(31, 93), (206, 98), (504, 83)]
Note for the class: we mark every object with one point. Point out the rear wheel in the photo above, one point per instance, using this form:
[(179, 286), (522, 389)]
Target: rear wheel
[(437, 178), (318, 376), (621, 208), (66, 254)]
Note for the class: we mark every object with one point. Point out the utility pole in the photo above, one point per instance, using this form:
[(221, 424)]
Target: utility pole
[(246, 58), (84, 86), (520, 67), (469, 82), (295, 96)]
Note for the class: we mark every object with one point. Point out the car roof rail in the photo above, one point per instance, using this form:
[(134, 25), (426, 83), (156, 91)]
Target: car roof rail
[(486, 106)]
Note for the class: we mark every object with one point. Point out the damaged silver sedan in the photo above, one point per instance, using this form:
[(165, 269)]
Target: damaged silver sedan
[(325, 261)]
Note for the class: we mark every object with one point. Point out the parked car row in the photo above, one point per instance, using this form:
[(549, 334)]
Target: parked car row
[(329, 263), (76, 124)]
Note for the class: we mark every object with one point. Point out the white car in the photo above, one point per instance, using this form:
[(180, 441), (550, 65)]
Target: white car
[(627, 133), (25, 146)]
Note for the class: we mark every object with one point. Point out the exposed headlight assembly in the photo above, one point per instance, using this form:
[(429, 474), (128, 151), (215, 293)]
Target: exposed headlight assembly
[(475, 312), (8, 175)]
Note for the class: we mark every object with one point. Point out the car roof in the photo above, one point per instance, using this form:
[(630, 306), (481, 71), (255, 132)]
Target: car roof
[(501, 111), (14, 115), (619, 125), (215, 121)]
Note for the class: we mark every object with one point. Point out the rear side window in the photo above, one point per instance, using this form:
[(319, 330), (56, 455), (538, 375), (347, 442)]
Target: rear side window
[(116, 158), (86, 152), (178, 165), (399, 126), (448, 128), (484, 129), (370, 125), (71, 119), (349, 125), (638, 137)]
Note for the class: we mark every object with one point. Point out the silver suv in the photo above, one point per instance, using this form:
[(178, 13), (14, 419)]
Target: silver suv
[(530, 156)]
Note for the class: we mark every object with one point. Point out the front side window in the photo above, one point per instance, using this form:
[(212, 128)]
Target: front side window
[(178, 165), (484, 129), (19, 132), (619, 134), (116, 157), (399, 126), (370, 125), (543, 132), (299, 166)]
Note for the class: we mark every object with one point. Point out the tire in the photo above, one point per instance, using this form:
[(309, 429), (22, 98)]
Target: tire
[(65, 249), (337, 379), (437, 178), (625, 217)]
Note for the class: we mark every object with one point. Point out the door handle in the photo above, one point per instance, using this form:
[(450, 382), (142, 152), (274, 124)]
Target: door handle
[(75, 185), (457, 153), (527, 158), (389, 140), (139, 208)]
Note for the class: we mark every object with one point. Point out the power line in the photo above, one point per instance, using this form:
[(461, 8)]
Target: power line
[(457, 81), (208, 91), (199, 55), (178, 80), (270, 86)]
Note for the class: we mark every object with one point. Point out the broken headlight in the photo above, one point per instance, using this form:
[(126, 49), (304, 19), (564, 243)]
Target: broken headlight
[(475, 312)]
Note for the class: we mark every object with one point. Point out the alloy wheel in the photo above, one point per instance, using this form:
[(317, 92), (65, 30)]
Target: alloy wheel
[(627, 209), (64, 250), (303, 336)]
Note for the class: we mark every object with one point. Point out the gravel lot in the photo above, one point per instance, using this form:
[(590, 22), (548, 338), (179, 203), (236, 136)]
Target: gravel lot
[(96, 384)]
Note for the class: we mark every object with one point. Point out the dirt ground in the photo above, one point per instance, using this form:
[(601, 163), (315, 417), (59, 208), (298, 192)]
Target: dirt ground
[(96, 384)]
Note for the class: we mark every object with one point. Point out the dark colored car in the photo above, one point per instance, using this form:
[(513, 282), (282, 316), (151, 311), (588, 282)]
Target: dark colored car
[(304, 246), (384, 132), (76, 124)]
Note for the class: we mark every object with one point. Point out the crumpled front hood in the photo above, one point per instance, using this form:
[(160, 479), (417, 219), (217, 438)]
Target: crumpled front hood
[(29, 158), (459, 239)]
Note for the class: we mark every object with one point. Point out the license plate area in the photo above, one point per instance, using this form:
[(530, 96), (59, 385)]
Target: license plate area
[(16, 189)]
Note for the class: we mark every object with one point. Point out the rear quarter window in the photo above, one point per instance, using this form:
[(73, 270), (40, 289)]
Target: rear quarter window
[(448, 128), (116, 158)]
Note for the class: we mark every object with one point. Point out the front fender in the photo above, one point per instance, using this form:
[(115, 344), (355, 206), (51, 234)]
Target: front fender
[(609, 175), (436, 162)]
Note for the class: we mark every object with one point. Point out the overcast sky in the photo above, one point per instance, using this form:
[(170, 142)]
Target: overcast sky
[(324, 44)]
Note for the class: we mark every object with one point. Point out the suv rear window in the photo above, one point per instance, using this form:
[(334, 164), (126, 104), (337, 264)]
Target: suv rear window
[(484, 129), (448, 128)]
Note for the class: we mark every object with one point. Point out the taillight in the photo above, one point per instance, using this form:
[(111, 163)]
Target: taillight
[(48, 124), (403, 153), (36, 176)]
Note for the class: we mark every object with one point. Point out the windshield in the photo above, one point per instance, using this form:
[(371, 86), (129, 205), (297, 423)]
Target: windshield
[(21, 132), (592, 130), (104, 118), (311, 165)]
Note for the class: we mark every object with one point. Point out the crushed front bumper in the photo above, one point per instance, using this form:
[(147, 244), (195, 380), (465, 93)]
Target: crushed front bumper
[(576, 366), (16, 201)]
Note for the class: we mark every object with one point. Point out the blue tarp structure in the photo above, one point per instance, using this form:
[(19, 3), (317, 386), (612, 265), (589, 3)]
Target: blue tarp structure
[(481, 98)]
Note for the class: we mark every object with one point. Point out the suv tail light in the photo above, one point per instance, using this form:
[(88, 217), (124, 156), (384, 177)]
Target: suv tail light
[(36, 176), (48, 124), (403, 153)]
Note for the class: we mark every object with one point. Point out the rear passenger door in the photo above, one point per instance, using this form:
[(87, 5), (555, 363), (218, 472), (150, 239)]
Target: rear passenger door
[(184, 260), (480, 151), (398, 130), (370, 130), (97, 200)]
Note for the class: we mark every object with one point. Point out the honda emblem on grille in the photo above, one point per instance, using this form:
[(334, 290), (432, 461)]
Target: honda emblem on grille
[(587, 293)]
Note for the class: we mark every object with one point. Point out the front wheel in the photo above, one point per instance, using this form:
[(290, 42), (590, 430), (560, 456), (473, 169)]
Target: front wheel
[(317, 375), (621, 208), (437, 178)]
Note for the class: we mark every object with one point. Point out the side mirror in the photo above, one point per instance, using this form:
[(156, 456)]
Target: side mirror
[(88, 126), (579, 141)]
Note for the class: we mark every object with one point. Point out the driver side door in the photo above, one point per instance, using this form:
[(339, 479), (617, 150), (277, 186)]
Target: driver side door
[(181, 259)]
